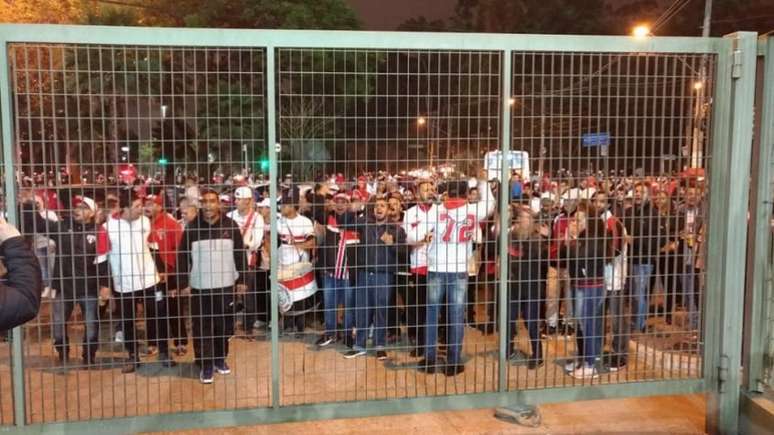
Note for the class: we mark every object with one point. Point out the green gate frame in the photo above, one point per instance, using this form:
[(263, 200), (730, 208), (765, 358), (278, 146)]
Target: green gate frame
[(730, 148)]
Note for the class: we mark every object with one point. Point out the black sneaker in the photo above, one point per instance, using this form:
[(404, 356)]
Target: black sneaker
[(381, 355), (349, 341), (454, 369), (354, 354), (535, 363), (206, 375), (222, 368), (324, 341), (131, 366), (428, 367), (615, 364)]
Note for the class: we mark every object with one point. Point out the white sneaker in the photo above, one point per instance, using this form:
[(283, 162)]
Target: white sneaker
[(571, 366), (585, 372)]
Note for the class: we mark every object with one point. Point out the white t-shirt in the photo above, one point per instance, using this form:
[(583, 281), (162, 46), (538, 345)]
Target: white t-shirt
[(300, 228), (125, 245)]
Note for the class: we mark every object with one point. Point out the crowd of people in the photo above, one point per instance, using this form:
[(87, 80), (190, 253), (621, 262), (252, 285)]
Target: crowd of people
[(380, 259)]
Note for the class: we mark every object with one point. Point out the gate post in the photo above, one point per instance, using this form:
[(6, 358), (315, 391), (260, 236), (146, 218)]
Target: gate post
[(505, 218), (17, 348), (727, 235), (760, 215), (271, 142)]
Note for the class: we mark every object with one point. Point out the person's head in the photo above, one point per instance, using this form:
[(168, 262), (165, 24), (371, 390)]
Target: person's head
[(640, 193), (211, 206), (394, 208), (290, 203), (473, 195), (153, 205), (457, 189), (600, 202), (579, 220), (663, 201), (84, 209), (691, 194), (189, 209), (243, 197), (380, 208), (264, 208), (425, 192), (523, 221), (546, 205), (341, 203), (130, 205), (362, 182), (322, 189)]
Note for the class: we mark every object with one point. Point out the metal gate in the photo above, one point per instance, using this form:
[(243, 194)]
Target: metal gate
[(325, 125)]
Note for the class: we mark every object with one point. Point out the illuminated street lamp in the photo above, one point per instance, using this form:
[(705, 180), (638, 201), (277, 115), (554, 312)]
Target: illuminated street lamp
[(421, 120), (641, 31), (698, 85)]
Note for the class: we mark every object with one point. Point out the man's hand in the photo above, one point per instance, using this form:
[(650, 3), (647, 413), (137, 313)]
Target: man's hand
[(185, 292), (172, 293), (428, 237), (104, 294), (241, 289), (387, 238)]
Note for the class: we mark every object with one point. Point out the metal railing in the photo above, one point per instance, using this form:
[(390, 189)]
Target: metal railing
[(614, 115)]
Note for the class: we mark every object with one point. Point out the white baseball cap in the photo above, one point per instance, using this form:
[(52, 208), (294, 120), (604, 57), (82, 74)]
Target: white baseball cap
[(265, 203), (243, 192)]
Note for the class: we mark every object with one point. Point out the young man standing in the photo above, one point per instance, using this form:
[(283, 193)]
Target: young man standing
[(210, 255), (251, 225), (416, 224), (164, 238), (453, 226), (123, 242)]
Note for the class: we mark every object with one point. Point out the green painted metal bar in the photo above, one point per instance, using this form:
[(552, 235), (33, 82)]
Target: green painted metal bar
[(61, 34), (271, 141), (244, 417), (756, 307), (505, 216), (730, 190), (718, 178), (17, 345)]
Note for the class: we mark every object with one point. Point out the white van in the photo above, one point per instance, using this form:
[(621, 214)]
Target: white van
[(518, 161)]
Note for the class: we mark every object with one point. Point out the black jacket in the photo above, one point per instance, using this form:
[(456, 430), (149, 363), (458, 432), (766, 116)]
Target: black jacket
[(528, 261), (75, 271), (642, 225), (20, 288), (372, 254), (587, 256)]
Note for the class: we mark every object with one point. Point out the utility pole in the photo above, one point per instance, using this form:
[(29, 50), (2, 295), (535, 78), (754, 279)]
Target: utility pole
[(700, 108)]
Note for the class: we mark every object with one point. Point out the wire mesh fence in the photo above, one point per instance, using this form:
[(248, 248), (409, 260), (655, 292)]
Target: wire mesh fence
[(143, 179)]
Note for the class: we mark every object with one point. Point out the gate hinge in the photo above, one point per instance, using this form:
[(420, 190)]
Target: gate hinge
[(278, 147), (722, 373)]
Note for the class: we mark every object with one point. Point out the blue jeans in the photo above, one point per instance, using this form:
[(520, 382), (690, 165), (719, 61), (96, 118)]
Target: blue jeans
[(689, 296), (372, 294), (589, 310), (338, 292), (640, 288), (454, 288), (63, 309)]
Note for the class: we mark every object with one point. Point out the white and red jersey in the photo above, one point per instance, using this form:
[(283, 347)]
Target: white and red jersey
[(298, 230), (251, 226), (344, 239), (125, 245), (454, 225), (416, 224)]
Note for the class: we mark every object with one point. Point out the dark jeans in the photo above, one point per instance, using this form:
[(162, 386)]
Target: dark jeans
[(453, 288), (338, 292), (262, 295), (528, 305), (212, 311), (156, 328), (416, 308), (619, 317), (63, 309), (372, 297), (254, 299), (178, 309)]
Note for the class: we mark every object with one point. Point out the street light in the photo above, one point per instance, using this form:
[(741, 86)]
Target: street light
[(698, 85), (641, 31), (421, 120)]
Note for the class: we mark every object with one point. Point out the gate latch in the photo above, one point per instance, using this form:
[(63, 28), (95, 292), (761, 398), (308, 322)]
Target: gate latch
[(736, 66), (278, 147), (722, 373)]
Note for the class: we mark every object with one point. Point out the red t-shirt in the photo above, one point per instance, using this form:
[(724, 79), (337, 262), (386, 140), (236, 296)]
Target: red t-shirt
[(165, 235)]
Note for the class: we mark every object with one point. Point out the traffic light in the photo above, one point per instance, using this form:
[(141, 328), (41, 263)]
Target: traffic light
[(163, 161), (265, 164)]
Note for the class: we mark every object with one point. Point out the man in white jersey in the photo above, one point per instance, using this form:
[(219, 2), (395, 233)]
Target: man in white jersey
[(453, 226), (251, 225)]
